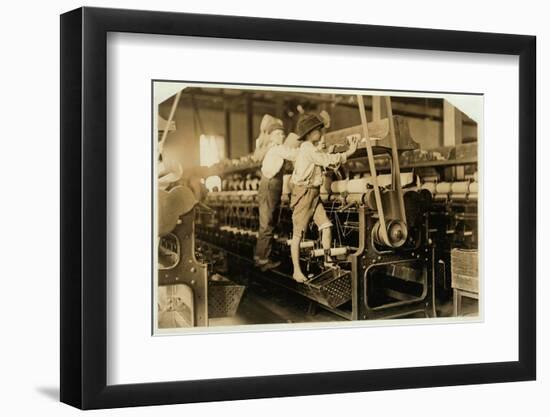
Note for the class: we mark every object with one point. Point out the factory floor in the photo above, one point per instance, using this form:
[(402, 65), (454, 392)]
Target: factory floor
[(274, 306), (261, 305)]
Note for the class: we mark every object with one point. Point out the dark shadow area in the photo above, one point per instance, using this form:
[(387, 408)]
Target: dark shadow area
[(50, 392)]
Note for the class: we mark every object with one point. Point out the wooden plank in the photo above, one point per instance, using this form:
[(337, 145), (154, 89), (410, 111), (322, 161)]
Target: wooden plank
[(379, 133), (377, 129), (452, 125), (376, 108)]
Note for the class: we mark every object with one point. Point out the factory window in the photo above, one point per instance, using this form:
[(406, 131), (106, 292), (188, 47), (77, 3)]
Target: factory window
[(212, 151)]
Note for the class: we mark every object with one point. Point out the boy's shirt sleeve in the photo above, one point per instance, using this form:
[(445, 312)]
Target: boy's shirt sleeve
[(287, 152), (326, 159), (261, 150)]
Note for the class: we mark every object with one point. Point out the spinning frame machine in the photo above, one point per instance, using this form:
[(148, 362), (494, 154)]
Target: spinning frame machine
[(397, 213)]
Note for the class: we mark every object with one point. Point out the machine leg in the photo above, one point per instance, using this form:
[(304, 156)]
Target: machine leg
[(456, 301), (312, 309)]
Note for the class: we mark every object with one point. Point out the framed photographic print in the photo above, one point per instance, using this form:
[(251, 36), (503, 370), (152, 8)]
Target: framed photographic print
[(257, 207)]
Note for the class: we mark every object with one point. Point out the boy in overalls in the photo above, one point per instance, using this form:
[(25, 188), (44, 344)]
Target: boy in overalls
[(269, 192)]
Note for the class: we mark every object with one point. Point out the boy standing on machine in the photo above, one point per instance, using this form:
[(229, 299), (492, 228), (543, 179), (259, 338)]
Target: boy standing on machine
[(307, 179), (269, 192)]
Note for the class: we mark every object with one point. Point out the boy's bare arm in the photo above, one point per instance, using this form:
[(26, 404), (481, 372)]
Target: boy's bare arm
[(325, 159)]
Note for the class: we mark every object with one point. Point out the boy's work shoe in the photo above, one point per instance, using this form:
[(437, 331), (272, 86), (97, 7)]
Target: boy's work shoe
[(258, 263), (269, 265)]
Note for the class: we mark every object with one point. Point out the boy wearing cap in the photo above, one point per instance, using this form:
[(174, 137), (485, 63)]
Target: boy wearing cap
[(263, 142), (307, 179), (269, 192)]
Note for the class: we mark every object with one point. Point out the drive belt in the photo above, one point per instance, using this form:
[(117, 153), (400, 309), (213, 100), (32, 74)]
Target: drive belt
[(396, 179)]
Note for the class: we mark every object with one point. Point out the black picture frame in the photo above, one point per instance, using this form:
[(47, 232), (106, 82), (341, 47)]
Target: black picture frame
[(84, 207)]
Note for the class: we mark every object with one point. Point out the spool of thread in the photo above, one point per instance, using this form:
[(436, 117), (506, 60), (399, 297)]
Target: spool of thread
[(472, 197), (339, 186), (443, 188), (333, 252), (473, 187), (304, 244), (459, 196), (386, 179), (406, 178), (430, 186), (460, 187), (358, 185), (254, 184)]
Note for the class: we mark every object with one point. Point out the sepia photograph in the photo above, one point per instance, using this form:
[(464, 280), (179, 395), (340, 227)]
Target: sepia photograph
[(268, 206), (292, 207)]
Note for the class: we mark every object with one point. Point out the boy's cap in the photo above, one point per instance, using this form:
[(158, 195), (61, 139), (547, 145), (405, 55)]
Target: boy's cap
[(276, 124), (266, 121), (308, 123)]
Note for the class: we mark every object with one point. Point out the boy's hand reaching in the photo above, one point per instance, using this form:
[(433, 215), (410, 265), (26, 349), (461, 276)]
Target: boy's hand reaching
[(353, 142)]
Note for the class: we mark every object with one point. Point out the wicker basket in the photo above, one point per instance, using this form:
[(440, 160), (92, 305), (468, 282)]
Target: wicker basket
[(332, 288), (224, 297), (464, 269)]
